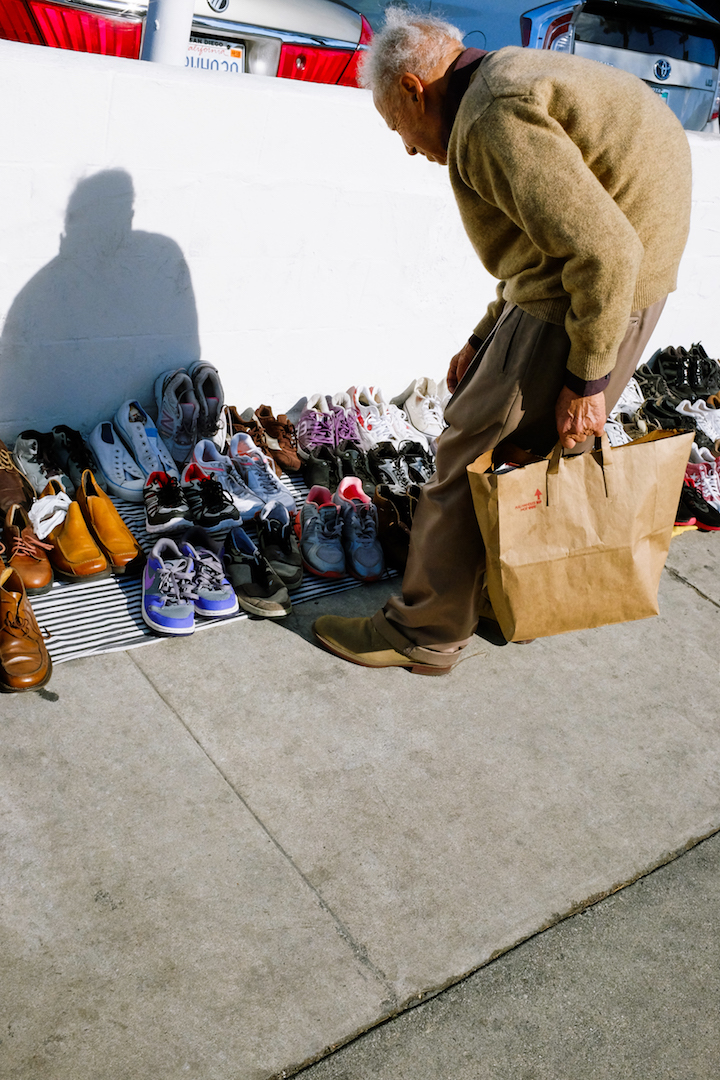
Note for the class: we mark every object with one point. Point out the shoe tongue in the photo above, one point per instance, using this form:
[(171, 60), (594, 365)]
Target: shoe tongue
[(135, 416)]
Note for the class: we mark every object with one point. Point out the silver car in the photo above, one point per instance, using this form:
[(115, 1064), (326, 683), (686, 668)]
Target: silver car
[(673, 46), (311, 40)]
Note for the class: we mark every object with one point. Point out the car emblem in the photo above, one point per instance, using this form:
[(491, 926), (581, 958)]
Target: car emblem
[(218, 5), (662, 68)]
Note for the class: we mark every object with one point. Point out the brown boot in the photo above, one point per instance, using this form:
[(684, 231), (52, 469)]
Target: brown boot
[(15, 490), (25, 553), (24, 660), (281, 438), (107, 528)]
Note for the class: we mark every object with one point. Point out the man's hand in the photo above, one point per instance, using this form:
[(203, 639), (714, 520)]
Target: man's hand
[(578, 417), (459, 365)]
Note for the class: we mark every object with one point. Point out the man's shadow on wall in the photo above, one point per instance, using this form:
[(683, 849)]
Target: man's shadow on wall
[(96, 325)]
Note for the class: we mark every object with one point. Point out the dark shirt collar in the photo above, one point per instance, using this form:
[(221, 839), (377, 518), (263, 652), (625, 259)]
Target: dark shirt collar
[(461, 71)]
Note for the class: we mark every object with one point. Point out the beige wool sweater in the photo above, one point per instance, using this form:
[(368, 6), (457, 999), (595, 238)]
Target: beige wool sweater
[(573, 183)]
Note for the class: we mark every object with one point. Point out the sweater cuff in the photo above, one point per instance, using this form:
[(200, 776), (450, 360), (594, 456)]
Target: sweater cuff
[(475, 341), (585, 387)]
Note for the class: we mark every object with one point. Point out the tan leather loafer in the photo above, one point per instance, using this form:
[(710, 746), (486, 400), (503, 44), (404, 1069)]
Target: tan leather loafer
[(360, 642), (24, 660), (75, 556), (107, 528), (25, 553)]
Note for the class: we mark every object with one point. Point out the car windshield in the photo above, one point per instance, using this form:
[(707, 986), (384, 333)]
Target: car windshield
[(644, 37)]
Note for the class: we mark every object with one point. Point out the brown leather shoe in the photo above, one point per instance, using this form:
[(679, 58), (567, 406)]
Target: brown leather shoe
[(281, 438), (25, 553), (24, 660), (249, 425), (107, 528), (15, 490), (75, 556)]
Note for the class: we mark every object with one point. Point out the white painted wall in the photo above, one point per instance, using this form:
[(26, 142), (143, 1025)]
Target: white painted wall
[(148, 214)]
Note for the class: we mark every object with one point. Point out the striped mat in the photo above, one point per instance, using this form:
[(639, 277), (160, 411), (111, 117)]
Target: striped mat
[(105, 616)]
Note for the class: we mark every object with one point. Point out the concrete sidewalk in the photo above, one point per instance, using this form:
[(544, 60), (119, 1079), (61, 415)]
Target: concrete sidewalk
[(224, 855)]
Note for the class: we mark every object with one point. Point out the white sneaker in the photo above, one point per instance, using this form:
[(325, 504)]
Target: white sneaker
[(258, 473), (122, 475), (374, 422), (629, 401), (421, 401), (705, 479), (207, 456), (342, 400), (700, 455), (141, 437), (707, 419), (616, 433)]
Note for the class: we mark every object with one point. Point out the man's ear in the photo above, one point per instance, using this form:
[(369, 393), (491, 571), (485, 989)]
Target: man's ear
[(411, 85)]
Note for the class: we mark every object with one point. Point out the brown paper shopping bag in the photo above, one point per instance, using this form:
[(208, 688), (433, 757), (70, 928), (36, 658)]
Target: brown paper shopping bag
[(576, 542)]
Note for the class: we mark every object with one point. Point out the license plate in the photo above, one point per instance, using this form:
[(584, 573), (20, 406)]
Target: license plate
[(206, 55)]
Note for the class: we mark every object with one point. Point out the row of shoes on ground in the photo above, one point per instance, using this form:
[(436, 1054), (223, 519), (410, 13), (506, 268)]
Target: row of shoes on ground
[(700, 497), (678, 373), (636, 414), (216, 491), (400, 466), (198, 577), (361, 416)]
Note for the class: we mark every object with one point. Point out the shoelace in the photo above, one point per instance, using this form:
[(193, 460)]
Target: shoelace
[(176, 582), (704, 479), (365, 525), (168, 494), (329, 526), (379, 425), (16, 625), (214, 496), (268, 484), (208, 572), (345, 426), (431, 407), (316, 428), (27, 544)]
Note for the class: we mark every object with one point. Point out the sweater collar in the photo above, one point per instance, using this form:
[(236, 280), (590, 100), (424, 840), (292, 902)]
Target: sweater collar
[(461, 72)]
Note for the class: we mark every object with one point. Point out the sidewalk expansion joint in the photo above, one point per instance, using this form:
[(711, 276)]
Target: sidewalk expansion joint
[(678, 577), (359, 951)]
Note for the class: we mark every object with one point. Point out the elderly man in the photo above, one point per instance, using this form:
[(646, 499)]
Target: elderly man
[(573, 183)]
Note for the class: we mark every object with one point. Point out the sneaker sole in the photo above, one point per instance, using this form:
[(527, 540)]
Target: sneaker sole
[(332, 575), (252, 609), (166, 631)]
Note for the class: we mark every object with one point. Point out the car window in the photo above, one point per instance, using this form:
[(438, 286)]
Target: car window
[(645, 37)]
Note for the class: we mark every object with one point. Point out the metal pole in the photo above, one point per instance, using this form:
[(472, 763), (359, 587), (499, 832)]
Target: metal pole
[(167, 31)]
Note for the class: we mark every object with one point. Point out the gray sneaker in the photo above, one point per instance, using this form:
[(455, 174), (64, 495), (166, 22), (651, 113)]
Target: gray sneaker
[(259, 590), (33, 457), (278, 544), (178, 412), (211, 399)]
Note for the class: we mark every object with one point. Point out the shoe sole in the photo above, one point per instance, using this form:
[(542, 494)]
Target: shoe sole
[(414, 668), (164, 631), (6, 689), (71, 579), (247, 605), (331, 575)]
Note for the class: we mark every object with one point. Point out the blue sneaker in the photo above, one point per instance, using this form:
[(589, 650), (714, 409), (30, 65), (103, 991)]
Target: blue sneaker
[(213, 595), (363, 552), (167, 602), (141, 437), (319, 528)]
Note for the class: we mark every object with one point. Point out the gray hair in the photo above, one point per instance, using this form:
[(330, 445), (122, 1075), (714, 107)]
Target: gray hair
[(409, 41)]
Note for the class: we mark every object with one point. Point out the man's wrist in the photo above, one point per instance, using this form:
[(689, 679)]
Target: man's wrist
[(585, 387), (475, 342)]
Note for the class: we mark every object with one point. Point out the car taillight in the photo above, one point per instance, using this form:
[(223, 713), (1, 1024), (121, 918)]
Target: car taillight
[(558, 35), (350, 74), (525, 28), (16, 23), (315, 63), (41, 23)]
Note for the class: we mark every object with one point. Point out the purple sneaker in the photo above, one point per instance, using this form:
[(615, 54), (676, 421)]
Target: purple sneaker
[(346, 423), (316, 426), (167, 604)]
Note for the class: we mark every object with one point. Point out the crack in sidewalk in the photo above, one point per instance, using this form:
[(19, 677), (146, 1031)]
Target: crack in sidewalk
[(359, 951), (678, 577)]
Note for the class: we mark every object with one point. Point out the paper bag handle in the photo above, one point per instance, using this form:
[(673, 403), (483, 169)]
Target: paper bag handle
[(602, 443)]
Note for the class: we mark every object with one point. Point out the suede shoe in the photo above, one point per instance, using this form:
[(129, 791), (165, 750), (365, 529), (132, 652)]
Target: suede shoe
[(281, 438), (15, 489), (361, 642), (107, 528), (25, 553), (24, 660)]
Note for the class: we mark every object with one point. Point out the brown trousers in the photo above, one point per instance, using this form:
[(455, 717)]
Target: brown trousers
[(508, 392)]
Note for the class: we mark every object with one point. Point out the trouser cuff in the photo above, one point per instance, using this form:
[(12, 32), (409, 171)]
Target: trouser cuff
[(403, 645)]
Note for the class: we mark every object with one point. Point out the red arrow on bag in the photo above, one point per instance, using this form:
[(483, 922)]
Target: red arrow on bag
[(538, 496)]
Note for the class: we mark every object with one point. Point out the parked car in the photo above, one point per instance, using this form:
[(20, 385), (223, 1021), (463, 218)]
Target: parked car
[(313, 40), (674, 46)]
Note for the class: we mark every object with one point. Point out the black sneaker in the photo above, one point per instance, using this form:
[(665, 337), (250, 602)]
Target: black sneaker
[(278, 544), (395, 511), (354, 462), (321, 468), (258, 588), (71, 454), (694, 510), (652, 384), (388, 467), (418, 462), (210, 505), (166, 508)]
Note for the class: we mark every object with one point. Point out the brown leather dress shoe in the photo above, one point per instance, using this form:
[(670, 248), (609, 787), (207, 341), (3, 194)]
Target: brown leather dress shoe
[(281, 438), (14, 488), (75, 556), (107, 528), (24, 660), (25, 553)]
